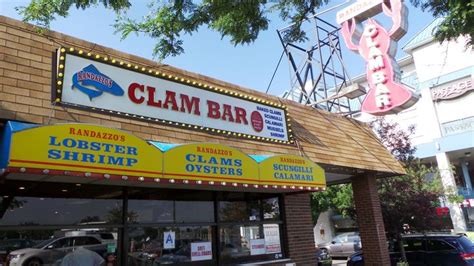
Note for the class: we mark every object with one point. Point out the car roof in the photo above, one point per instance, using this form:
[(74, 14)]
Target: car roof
[(432, 235)]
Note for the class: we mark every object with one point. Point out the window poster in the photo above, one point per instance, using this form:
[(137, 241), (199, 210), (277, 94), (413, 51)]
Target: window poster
[(272, 238), (201, 251)]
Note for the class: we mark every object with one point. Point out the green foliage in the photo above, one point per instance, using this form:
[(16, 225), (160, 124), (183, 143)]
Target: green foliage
[(408, 199), (458, 17), (42, 12), (337, 197), (412, 199), (240, 20)]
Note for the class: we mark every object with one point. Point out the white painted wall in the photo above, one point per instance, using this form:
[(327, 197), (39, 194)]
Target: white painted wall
[(456, 109), (434, 59), (431, 61)]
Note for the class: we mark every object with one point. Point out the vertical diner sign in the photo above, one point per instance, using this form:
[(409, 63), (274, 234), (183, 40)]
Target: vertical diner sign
[(378, 47)]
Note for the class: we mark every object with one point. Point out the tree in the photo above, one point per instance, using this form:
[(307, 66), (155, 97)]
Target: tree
[(114, 216), (410, 199), (458, 17), (241, 21), (337, 197)]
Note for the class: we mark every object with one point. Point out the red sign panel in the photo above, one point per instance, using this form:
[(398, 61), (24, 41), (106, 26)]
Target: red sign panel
[(378, 48)]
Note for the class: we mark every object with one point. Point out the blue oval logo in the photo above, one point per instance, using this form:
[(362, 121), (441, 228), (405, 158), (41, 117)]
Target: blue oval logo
[(93, 83)]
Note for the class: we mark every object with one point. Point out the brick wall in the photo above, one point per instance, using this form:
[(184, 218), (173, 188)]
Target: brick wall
[(299, 229), (370, 221)]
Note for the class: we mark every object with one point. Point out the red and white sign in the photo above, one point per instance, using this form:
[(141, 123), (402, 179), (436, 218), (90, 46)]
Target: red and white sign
[(106, 87), (201, 251), (257, 247), (271, 233), (364, 8), (378, 48)]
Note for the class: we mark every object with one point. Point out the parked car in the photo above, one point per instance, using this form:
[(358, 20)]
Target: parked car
[(53, 250), (105, 237), (430, 249), (7, 245), (342, 245)]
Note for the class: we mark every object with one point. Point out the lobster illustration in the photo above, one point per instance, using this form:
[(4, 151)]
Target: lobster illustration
[(378, 47)]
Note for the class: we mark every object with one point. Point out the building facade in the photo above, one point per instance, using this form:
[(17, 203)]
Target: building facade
[(442, 74), (146, 164)]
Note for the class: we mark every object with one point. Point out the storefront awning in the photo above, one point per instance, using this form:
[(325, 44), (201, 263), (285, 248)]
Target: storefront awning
[(92, 151)]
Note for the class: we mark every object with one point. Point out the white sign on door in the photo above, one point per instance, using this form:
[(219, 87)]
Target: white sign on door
[(257, 246), (169, 240), (272, 238), (201, 251)]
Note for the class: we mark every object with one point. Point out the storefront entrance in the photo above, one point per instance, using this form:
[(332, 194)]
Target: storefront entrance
[(161, 226)]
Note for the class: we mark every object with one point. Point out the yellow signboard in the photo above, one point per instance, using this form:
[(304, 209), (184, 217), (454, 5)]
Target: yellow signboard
[(290, 170), (85, 148), (210, 162)]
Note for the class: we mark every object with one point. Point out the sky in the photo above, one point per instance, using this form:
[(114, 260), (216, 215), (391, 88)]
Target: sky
[(206, 53)]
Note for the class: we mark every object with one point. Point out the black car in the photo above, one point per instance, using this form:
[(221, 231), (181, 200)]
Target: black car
[(430, 249)]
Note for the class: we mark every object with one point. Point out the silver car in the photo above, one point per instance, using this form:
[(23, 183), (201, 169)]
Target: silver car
[(51, 251), (342, 245)]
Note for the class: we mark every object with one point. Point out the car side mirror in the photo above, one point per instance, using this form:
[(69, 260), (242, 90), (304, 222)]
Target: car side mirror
[(334, 242), (49, 247)]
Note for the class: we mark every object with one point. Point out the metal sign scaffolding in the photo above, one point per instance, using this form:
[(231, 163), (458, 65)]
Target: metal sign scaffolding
[(319, 76)]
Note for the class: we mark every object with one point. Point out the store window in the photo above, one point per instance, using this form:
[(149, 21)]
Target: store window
[(246, 233), (55, 246), (54, 211), (45, 223), (170, 245), (33, 204), (194, 211), (163, 226), (239, 211), (150, 211), (271, 209)]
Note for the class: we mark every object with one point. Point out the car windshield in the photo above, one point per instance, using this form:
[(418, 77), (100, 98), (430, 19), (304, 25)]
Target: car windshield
[(44, 243)]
